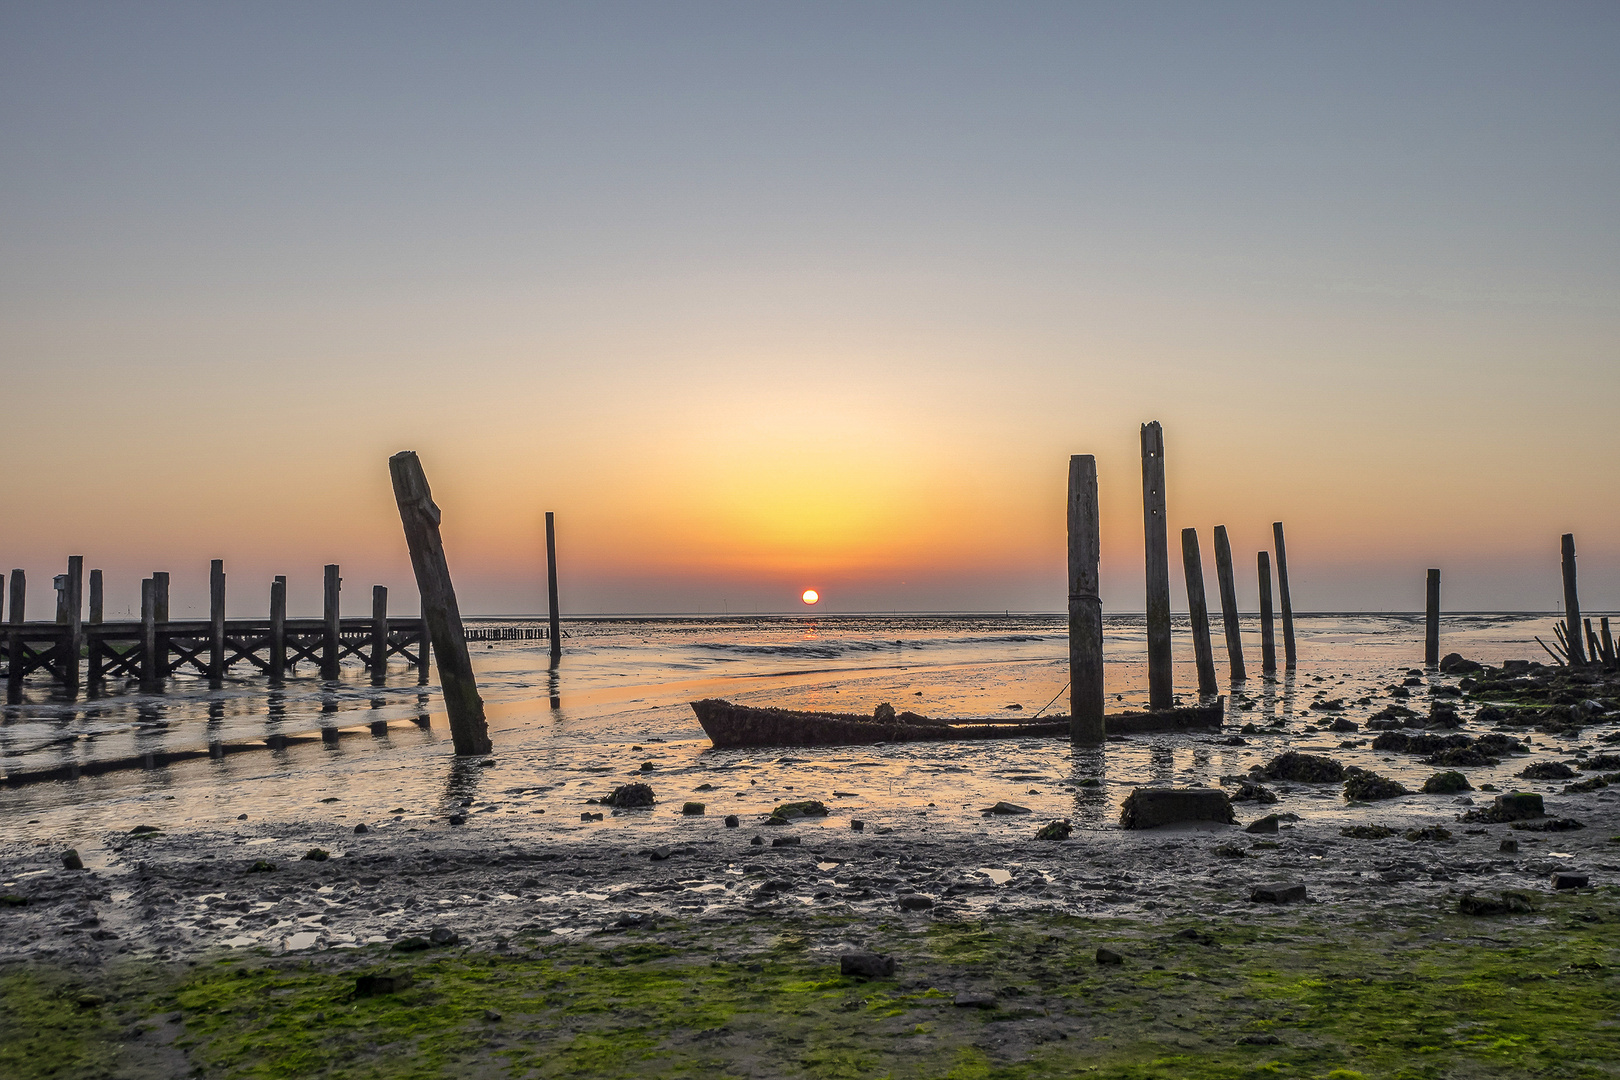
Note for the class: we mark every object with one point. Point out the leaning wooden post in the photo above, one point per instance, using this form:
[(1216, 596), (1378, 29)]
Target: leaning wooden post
[(441, 617), (1268, 633), (151, 674), (1229, 608), (75, 622), (379, 634), (1572, 603), (1283, 595), (1192, 566), (96, 598), (1085, 605), (551, 584), (14, 642), (1431, 622), (1157, 542), (331, 637), (216, 621), (278, 629)]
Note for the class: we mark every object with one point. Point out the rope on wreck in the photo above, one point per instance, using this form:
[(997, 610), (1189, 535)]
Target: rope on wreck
[(1048, 705)]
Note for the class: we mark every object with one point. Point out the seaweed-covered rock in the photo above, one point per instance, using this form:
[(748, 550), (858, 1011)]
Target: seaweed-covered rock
[(1054, 830), (884, 713), (1547, 770), (1601, 762), (1465, 757), (1445, 783), (1331, 705), (1455, 664), (630, 796), (1591, 783), (1389, 717), (803, 808), (1341, 724), (1512, 806), (1249, 791), (1366, 832), (1565, 824), (1430, 743), (1443, 714), (1304, 768), (1509, 903), (1432, 833), (1392, 740), (1364, 785), (1498, 744), (1147, 808)]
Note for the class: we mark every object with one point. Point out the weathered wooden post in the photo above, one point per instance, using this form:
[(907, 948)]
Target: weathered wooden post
[(1572, 603), (551, 585), (75, 623), (331, 636), (1085, 605), (278, 629), (1283, 595), (1229, 608), (94, 649), (1156, 539), (14, 643), (151, 673), (160, 596), (1268, 634), (441, 616), (216, 621), (379, 634), (1192, 565), (96, 598), (1608, 642), (1431, 622), (1593, 652)]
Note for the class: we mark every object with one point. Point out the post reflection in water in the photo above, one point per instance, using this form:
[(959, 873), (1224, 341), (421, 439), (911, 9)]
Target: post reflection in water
[(1088, 767), (422, 719), (554, 682), (1161, 762), (1268, 699), (461, 784), (1289, 690)]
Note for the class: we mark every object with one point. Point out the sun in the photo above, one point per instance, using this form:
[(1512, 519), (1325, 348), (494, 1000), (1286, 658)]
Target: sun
[(810, 596)]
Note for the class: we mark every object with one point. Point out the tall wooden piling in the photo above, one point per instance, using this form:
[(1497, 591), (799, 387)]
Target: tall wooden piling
[(97, 599), (1192, 565), (151, 673), (379, 634), (1283, 595), (160, 596), (1157, 542), (1229, 608), (1085, 605), (331, 638), (440, 614), (1572, 603), (1268, 634), (216, 621), (278, 629), (14, 644), (1606, 641), (551, 584), (1431, 622), (75, 623)]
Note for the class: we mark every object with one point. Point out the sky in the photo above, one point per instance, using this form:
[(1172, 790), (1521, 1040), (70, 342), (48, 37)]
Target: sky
[(766, 297)]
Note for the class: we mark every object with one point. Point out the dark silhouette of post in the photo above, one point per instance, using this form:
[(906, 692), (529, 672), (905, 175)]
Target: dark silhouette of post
[(151, 675), (1572, 604), (551, 584), (1192, 566), (216, 621), (74, 595), (1157, 542), (331, 636), (379, 634), (1283, 595), (441, 616), (1085, 605), (14, 643), (160, 596), (1229, 608), (1268, 633), (1607, 641), (1431, 622), (97, 598), (278, 629)]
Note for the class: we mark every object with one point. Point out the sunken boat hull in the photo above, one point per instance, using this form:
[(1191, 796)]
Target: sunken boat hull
[(744, 725)]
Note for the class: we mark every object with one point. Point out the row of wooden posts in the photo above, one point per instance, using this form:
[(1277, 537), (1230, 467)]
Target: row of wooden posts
[(1085, 601)]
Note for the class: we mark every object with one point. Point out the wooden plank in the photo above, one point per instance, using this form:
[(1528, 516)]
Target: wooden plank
[(440, 613), (379, 634), (278, 628), (216, 621), (1085, 605), (1431, 621), (1192, 566), (551, 584), (1268, 635), (1229, 608), (1572, 603), (1284, 596), (151, 670), (331, 643), (1156, 539)]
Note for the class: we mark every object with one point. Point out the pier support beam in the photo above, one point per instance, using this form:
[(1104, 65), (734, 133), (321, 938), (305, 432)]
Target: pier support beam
[(1606, 641), (1283, 595), (379, 634), (440, 614), (151, 673), (1229, 608), (14, 645), (1572, 604), (216, 622), (1157, 541), (1268, 633), (1085, 605), (75, 623), (331, 639), (1192, 566), (278, 629), (160, 596), (551, 585), (97, 599), (1431, 622)]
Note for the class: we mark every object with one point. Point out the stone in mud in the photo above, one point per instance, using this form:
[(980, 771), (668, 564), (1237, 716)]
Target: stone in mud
[(71, 860), (443, 935), (587, 816), (380, 983), (1230, 851), (857, 824), (316, 854), (261, 867), (1342, 725), (1601, 762), (412, 944), (693, 808), (1277, 894), (1547, 770), (1508, 903), (969, 1000), (1508, 846), (758, 841), (1304, 768), (1364, 785), (1054, 830), (866, 965), (806, 808), (1005, 808), (916, 902), (1467, 757), (1267, 824), (1148, 808), (1390, 717), (659, 854), (1455, 664), (1445, 783), (1259, 1040), (1333, 705), (1443, 714), (732, 821), (884, 713), (1430, 833), (785, 841), (1514, 806), (1249, 791), (144, 830), (1565, 880), (456, 819), (1109, 956), (1367, 832), (630, 796), (1567, 824), (361, 829)]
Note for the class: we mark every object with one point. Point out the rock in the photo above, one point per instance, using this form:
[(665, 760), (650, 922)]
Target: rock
[(443, 935), (1445, 783), (1467, 757), (457, 819), (1005, 808), (1258, 1040), (732, 821), (659, 854), (379, 983), (412, 944), (1149, 808), (1547, 770), (144, 830), (491, 1016), (916, 902), (968, 1000), (693, 808), (647, 766), (1443, 714), (758, 841), (1333, 705), (1454, 664), (630, 796), (90, 1001), (1054, 830), (1249, 791), (361, 829), (1509, 904), (1364, 785), (1341, 724), (1230, 851), (806, 808), (1518, 805), (587, 816), (316, 854), (1304, 768), (1430, 833), (1567, 824), (1508, 847), (1366, 832), (71, 860), (13, 900), (1277, 894), (857, 824), (785, 841), (1565, 880), (1109, 956), (866, 965), (1601, 762), (1267, 824), (261, 867)]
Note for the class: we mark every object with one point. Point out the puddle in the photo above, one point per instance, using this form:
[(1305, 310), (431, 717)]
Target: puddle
[(1000, 877), (301, 941)]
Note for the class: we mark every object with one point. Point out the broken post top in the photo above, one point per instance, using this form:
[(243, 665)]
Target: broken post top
[(410, 484)]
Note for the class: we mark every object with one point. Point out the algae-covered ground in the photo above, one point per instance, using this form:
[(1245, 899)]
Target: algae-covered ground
[(1413, 992)]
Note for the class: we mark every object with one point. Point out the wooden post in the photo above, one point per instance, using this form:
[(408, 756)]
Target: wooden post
[(441, 616), (1085, 605), (1431, 622), (1192, 565), (151, 673), (160, 596), (1607, 641), (14, 644), (1283, 595), (278, 629), (1593, 653), (331, 641), (379, 634), (1572, 603), (1229, 608), (216, 621), (1268, 634), (96, 598), (551, 584), (60, 584), (1157, 542), (75, 622)]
